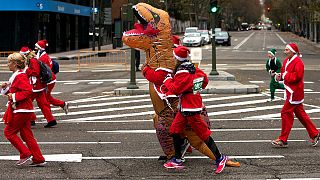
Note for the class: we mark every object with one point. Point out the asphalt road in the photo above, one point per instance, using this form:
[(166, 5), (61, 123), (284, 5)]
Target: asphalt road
[(112, 137)]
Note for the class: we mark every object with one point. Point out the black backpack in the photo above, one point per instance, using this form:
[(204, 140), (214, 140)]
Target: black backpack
[(45, 72), (55, 67)]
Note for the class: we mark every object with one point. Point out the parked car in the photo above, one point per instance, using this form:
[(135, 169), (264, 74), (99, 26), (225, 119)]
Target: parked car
[(223, 37), (205, 34), (193, 39), (190, 30)]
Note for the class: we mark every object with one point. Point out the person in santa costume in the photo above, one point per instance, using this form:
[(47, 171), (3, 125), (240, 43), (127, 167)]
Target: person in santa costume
[(273, 66), (187, 83), (39, 88), (40, 47), (19, 113), (292, 74)]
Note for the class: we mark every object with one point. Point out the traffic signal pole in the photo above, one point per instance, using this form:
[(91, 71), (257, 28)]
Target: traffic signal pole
[(214, 10)]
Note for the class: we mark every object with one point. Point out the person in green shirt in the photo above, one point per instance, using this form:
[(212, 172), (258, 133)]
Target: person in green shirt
[(273, 66)]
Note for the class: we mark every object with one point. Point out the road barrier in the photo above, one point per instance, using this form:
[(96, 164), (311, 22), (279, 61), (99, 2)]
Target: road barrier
[(102, 58)]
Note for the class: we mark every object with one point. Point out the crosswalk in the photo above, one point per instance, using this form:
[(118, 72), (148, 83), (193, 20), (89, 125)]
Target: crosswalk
[(107, 108)]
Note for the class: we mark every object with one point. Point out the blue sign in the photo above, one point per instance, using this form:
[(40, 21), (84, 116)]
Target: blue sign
[(45, 6)]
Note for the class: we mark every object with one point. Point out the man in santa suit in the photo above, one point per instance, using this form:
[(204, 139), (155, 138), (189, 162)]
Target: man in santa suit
[(40, 46), (38, 87), (292, 74), (187, 83)]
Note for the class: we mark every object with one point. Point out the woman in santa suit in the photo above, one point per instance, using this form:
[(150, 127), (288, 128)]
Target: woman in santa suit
[(19, 113), (40, 46), (38, 88)]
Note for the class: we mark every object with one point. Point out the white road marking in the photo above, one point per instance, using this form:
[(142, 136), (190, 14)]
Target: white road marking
[(67, 143), (81, 92), (71, 83), (187, 157), (54, 93), (267, 116), (243, 41), (245, 110), (257, 82), (99, 82), (52, 157), (146, 131), (283, 41)]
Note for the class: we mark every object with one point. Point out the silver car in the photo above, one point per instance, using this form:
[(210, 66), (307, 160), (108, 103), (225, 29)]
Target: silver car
[(193, 39), (205, 34)]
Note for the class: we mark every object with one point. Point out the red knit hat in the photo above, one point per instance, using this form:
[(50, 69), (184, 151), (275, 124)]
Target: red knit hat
[(181, 53), (176, 41), (294, 48), (24, 50), (42, 44)]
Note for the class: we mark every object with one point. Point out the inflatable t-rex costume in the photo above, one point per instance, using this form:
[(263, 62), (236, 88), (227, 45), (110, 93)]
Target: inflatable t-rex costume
[(153, 35)]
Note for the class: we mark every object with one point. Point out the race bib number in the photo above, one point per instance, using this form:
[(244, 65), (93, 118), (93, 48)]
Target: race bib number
[(197, 85)]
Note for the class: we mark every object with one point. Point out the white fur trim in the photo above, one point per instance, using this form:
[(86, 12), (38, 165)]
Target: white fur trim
[(14, 97), (38, 90), (23, 53), (24, 110), (51, 82), (191, 109), (182, 71), (164, 69), (166, 79), (39, 46)]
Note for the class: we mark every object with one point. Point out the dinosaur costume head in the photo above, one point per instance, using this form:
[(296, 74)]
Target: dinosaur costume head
[(152, 34)]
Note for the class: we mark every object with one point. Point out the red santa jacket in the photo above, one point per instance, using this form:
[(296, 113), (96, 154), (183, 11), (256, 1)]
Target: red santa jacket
[(187, 84), (33, 72), (44, 57), (156, 77), (21, 90), (292, 73)]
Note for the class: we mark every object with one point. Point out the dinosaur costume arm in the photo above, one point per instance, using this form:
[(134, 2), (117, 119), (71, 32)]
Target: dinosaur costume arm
[(153, 76)]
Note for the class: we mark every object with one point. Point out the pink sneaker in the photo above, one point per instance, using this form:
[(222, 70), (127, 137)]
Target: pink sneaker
[(221, 163), (172, 163)]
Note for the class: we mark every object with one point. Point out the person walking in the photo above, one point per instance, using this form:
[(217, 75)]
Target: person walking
[(187, 83), (38, 88), (292, 74), (19, 113), (44, 57), (137, 58), (273, 66)]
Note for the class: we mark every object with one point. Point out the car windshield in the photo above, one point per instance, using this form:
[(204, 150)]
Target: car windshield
[(204, 33), (221, 34), (191, 30), (193, 35)]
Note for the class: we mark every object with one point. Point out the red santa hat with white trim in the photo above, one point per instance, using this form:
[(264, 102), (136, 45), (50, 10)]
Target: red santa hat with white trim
[(294, 48), (176, 41), (181, 53), (42, 44), (24, 50)]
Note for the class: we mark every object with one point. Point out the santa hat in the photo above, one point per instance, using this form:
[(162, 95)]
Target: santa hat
[(24, 50), (176, 41), (272, 52), (42, 44), (181, 53), (293, 48)]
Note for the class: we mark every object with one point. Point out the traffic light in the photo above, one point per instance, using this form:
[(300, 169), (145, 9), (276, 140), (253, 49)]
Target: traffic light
[(214, 6)]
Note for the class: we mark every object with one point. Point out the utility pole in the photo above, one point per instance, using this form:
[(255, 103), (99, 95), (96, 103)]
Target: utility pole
[(132, 83)]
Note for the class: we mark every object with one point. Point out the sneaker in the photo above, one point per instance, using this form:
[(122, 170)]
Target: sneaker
[(38, 164), (279, 143), (173, 163), (24, 160), (184, 147), (66, 107), (315, 141), (50, 124), (221, 163), (33, 123)]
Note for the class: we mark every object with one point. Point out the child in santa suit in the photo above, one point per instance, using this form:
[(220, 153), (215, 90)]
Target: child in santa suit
[(40, 46), (292, 74), (273, 66), (187, 83), (39, 88), (19, 113)]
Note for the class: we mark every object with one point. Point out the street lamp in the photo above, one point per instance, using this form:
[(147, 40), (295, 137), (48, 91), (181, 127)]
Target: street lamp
[(214, 8)]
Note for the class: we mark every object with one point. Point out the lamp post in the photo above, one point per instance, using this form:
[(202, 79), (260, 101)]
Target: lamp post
[(93, 26), (214, 8)]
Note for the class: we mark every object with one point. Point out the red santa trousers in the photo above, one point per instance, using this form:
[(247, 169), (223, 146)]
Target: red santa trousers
[(287, 118), (197, 124), (21, 123), (43, 104), (52, 100)]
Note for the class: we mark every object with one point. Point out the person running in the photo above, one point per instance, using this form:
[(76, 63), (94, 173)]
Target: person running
[(19, 113), (187, 83), (39, 88), (44, 57), (292, 74), (273, 66)]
